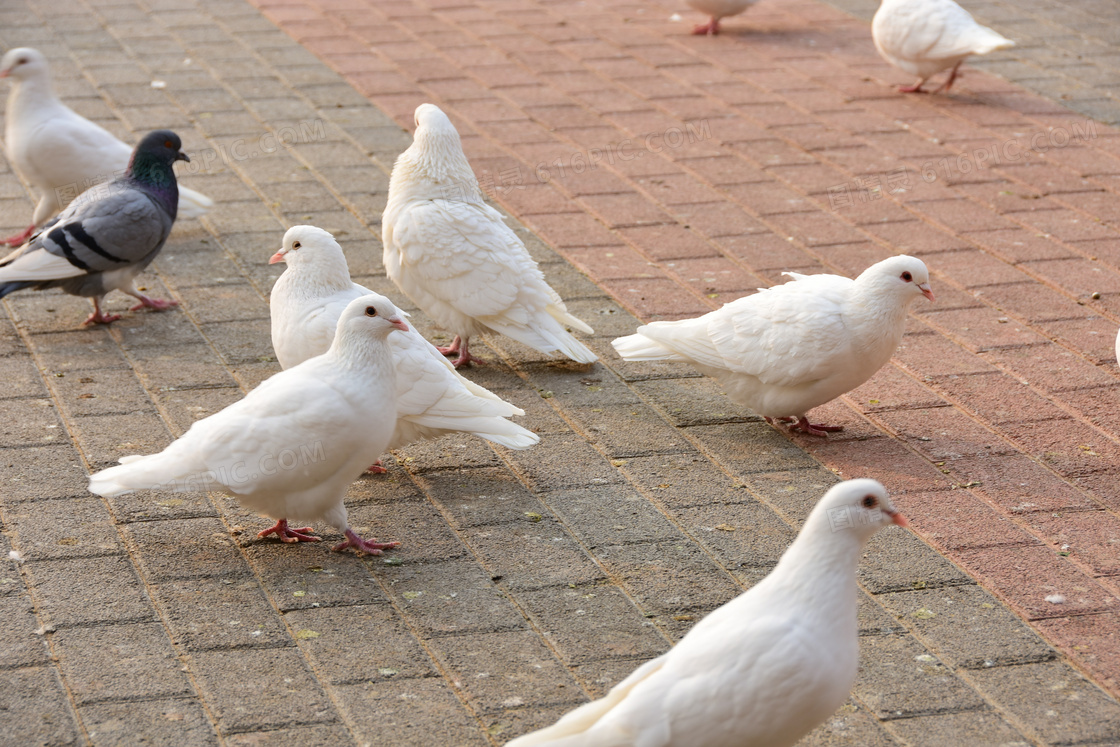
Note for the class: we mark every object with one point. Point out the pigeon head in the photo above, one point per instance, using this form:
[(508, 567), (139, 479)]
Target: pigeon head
[(436, 154), (860, 506), (371, 315), (306, 245), (150, 167), (903, 277), (22, 63)]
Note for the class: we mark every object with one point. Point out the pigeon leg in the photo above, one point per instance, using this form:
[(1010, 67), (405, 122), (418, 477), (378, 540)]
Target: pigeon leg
[(952, 76), (916, 88), (98, 317), (711, 28), (786, 419), (19, 238), (376, 468), (287, 534), (460, 345), (814, 429), (157, 304), (370, 547), (453, 348)]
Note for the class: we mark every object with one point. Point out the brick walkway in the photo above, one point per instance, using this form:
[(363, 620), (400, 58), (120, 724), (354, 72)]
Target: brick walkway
[(529, 581)]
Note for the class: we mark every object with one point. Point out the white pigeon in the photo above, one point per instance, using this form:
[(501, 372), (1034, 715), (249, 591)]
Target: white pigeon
[(762, 670), (432, 398), (59, 152), (924, 37), (452, 254), (717, 10), (292, 446), (792, 347)]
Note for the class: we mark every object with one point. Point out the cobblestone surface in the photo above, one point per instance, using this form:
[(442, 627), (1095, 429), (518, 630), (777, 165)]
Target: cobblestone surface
[(530, 581)]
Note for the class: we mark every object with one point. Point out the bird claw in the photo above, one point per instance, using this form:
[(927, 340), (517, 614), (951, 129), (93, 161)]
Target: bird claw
[(916, 88), (156, 304), (99, 318), (711, 28), (19, 238), (820, 430), (288, 534), (370, 547)]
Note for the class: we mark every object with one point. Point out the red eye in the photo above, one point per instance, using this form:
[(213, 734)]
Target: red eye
[(167, 144), (907, 276)]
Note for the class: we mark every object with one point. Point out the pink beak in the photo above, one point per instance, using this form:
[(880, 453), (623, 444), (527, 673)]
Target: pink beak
[(278, 257), (899, 519), (397, 322), (926, 291), (5, 73)]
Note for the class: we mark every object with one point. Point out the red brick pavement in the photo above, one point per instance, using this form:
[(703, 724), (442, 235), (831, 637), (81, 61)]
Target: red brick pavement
[(682, 172)]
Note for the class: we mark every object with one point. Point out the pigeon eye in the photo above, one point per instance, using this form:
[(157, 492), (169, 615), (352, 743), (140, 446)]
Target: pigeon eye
[(907, 276), (167, 144), (870, 501), (370, 311), (296, 245), (21, 61)]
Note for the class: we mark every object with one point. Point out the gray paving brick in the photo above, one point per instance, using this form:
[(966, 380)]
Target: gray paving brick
[(979, 727), (494, 670), (454, 597), (104, 439), (592, 622), (899, 679), (417, 712), (896, 560), (851, 724), (612, 429), (745, 448), (693, 401), (561, 462), (739, 534), (480, 496), (620, 516), (83, 591), (207, 613), (67, 528), (42, 472), (186, 548), (176, 722), (669, 577), (33, 705), (968, 627), (20, 646), (1053, 699), (119, 662), (388, 650), (681, 480), (296, 580), (449, 452), (251, 688), (532, 553)]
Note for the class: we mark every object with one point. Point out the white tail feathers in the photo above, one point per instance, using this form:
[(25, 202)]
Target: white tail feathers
[(986, 40), (193, 204), (638, 347)]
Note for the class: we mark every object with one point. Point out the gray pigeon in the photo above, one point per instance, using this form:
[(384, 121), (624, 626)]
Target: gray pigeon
[(108, 235)]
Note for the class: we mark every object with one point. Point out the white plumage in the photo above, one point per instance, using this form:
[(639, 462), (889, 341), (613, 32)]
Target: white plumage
[(717, 10), (432, 398), (452, 254), (924, 37), (762, 670), (54, 148), (792, 347), (292, 446)]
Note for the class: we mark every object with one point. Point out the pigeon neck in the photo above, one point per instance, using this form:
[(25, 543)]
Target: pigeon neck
[(823, 559), (358, 351), (435, 167), (155, 176), (29, 95)]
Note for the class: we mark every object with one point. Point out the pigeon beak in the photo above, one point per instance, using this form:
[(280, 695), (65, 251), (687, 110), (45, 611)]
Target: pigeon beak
[(926, 291), (181, 156), (397, 322), (5, 73), (278, 257), (899, 519)]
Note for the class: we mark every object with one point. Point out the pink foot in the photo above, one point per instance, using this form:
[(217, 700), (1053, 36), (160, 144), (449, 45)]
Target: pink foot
[(819, 430), (287, 534), (19, 238), (376, 468), (916, 88), (459, 346), (99, 318), (370, 547), (157, 304), (711, 28)]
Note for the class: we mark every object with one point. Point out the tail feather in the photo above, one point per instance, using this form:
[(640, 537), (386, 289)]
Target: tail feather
[(990, 41), (15, 285), (193, 204), (638, 347), (135, 472), (548, 336)]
